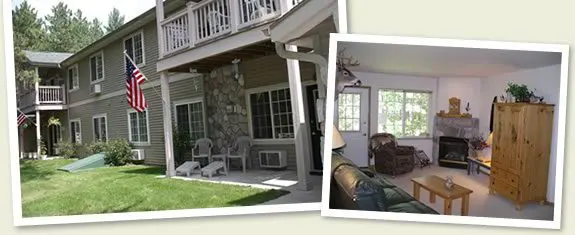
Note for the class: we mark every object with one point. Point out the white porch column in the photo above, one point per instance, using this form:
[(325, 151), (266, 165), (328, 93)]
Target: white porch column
[(167, 111), (302, 145), (159, 19), (38, 135)]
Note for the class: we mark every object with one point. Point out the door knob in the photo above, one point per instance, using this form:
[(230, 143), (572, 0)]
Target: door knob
[(364, 134)]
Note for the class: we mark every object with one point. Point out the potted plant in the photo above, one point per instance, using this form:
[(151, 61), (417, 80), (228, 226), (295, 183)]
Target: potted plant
[(521, 93)]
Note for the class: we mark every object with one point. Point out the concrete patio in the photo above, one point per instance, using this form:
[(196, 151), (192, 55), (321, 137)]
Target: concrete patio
[(267, 179)]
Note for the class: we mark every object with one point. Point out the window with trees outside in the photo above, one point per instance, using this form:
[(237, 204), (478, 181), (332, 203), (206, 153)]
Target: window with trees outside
[(404, 113)]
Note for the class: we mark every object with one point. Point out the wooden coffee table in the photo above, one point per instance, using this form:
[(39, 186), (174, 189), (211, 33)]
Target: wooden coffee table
[(436, 187)]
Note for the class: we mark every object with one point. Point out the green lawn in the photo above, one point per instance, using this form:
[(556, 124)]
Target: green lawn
[(47, 191)]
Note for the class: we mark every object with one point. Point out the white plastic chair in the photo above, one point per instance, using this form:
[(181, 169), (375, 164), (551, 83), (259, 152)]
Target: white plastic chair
[(203, 147), (240, 150)]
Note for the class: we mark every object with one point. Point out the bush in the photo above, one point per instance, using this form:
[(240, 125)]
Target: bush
[(182, 145), (67, 149), (82, 151), (97, 147), (118, 152)]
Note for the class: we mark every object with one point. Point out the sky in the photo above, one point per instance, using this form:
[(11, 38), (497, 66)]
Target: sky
[(93, 9)]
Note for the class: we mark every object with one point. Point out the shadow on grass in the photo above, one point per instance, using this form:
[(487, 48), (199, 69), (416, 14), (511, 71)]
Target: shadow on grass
[(146, 170), (259, 198), (29, 170)]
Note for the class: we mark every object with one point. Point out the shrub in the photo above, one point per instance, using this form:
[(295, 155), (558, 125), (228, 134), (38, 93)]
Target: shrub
[(82, 151), (118, 152), (67, 149), (97, 147), (182, 145)]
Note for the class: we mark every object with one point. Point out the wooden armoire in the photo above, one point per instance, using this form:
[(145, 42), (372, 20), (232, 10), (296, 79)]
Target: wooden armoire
[(520, 152)]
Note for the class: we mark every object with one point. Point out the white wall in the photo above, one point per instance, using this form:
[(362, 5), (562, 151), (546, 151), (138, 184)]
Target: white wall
[(546, 81), (466, 89)]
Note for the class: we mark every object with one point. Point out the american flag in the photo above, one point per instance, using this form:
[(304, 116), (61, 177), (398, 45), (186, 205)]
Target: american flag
[(21, 118), (134, 93)]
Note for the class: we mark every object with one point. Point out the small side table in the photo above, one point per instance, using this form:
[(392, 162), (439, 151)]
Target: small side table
[(473, 162)]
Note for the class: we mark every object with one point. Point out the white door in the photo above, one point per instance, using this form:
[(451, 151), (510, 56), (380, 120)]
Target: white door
[(352, 121)]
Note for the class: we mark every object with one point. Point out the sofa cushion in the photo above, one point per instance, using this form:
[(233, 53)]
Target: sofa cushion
[(412, 207), (396, 195), (358, 189)]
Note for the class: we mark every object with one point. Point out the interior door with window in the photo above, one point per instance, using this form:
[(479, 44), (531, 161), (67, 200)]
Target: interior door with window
[(352, 121)]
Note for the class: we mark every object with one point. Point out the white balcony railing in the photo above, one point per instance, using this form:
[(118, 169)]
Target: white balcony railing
[(211, 19), (44, 95)]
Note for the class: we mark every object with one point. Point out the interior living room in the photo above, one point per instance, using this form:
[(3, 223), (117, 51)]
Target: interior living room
[(446, 130)]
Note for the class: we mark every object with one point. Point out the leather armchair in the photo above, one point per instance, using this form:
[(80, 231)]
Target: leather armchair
[(391, 158)]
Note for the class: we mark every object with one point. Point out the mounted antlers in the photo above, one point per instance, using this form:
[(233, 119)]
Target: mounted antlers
[(345, 61), (343, 77)]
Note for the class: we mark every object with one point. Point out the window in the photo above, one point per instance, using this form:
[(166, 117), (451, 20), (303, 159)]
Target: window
[(404, 113), (75, 131), (134, 46), (97, 67), (100, 128), (271, 114), (349, 112), (73, 83), (190, 119), (138, 127)]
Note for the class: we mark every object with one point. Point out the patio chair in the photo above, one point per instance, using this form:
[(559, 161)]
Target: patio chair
[(240, 150), (203, 147)]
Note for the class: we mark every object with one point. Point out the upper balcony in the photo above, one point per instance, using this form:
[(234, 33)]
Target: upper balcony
[(210, 20), (44, 98)]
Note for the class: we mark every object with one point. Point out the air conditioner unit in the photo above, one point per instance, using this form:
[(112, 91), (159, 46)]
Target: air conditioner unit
[(138, 154), (96, 89), (272, 159)]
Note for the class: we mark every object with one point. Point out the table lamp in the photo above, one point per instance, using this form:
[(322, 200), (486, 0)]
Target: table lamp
[(489, 141)]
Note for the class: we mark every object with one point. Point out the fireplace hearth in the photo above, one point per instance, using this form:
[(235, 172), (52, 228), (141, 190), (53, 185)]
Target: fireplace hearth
[(453, 152)]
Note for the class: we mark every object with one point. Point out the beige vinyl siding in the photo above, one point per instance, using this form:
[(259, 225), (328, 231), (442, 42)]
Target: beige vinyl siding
[(114, 70), (116, 110)]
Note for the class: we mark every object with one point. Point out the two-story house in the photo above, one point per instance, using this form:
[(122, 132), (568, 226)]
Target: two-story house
[(214, 70)]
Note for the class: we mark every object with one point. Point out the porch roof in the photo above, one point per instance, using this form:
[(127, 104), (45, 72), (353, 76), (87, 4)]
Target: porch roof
[(307, 18), (46, 58)]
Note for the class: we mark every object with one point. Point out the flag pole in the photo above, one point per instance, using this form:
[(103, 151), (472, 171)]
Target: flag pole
[(130, 58)]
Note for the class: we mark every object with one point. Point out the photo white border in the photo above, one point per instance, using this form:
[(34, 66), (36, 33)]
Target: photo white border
[(13, 150), (470, 220)]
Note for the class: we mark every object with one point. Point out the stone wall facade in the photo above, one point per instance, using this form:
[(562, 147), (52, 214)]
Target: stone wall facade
[(226, 110)]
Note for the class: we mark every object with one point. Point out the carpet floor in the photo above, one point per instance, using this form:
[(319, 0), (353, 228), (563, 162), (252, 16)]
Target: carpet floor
[(481, 204)]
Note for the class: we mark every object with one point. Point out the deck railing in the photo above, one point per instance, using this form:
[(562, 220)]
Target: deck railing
[(211, 19), (44, 95)]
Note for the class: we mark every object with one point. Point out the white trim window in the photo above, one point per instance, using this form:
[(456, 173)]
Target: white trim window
[(271, 114), (76, 131), (190, 118), (73, 82), (349, 110), (138, 127), (134, 46), (97, 67), (100, 127), (404, 113)]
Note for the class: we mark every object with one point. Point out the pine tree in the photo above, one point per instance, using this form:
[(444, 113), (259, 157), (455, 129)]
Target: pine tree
[(115, 20)]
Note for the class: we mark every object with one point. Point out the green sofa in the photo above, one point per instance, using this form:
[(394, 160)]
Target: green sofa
[(355, 188)]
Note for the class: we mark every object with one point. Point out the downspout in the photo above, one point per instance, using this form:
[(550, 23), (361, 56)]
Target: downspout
[(307, 57)]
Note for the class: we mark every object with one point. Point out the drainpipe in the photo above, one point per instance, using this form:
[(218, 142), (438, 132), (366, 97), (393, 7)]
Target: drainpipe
[(308, 57)]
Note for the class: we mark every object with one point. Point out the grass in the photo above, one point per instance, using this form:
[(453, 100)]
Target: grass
[(47, 191)]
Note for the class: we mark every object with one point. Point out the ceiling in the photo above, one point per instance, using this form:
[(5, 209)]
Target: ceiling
[(437, 61)]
